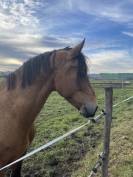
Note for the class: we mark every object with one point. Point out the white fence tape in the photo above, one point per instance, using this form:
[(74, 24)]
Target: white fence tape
[(117, 104)]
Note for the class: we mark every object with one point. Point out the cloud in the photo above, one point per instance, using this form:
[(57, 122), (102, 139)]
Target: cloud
[(105, 56), (111, 61), (120, 12), (30, 27), (17, 15), (21, 33), (7, 67), (10, 61), (130, 34)]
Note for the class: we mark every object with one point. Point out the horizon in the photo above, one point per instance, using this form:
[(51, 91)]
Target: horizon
[(29, 28), (88, 73)]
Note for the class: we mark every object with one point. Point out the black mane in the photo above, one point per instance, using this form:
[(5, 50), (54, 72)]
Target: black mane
[(30, 70), (82, 67), (41, 63)]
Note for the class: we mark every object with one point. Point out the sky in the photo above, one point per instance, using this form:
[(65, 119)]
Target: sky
[(31, 27)]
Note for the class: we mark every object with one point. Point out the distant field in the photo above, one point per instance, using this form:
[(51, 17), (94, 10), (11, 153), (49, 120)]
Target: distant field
[(75, 156)]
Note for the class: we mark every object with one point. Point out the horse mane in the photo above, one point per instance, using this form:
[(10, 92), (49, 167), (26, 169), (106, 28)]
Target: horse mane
[(30, 70), (41, 63), (82, 66)]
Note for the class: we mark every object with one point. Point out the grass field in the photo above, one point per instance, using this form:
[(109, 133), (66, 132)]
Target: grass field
[(75, 156)]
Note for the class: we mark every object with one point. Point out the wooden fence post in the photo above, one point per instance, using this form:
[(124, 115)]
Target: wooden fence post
[(107, 128)]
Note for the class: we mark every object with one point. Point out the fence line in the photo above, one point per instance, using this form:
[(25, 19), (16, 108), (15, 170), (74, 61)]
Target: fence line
[(117, 104), (50, 143)]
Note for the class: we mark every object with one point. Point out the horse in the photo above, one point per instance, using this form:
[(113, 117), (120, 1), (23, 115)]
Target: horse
[(24, 92)]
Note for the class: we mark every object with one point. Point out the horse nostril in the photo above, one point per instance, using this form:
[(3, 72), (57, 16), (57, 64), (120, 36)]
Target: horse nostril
[(88, 112)]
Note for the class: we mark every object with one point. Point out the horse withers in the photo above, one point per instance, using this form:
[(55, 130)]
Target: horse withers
[(24, 92)]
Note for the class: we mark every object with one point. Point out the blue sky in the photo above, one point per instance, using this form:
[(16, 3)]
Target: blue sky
[(29, 27)]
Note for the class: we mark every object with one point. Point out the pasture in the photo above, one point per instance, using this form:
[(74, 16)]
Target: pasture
[(75, 156)]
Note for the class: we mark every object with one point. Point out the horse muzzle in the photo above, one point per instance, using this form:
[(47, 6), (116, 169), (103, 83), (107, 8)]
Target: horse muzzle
[(88, 111)]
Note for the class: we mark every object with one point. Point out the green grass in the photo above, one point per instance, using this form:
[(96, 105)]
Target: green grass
[(75, 156), (121, 152)]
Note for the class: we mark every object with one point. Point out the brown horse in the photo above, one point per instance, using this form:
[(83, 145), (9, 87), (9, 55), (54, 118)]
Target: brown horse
[(24, 92)]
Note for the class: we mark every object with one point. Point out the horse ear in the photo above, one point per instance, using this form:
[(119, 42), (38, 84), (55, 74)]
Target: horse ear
[(77, 49)]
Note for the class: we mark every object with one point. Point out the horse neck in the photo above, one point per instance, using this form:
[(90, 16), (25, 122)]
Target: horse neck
[(30, 100), (40, 91)]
